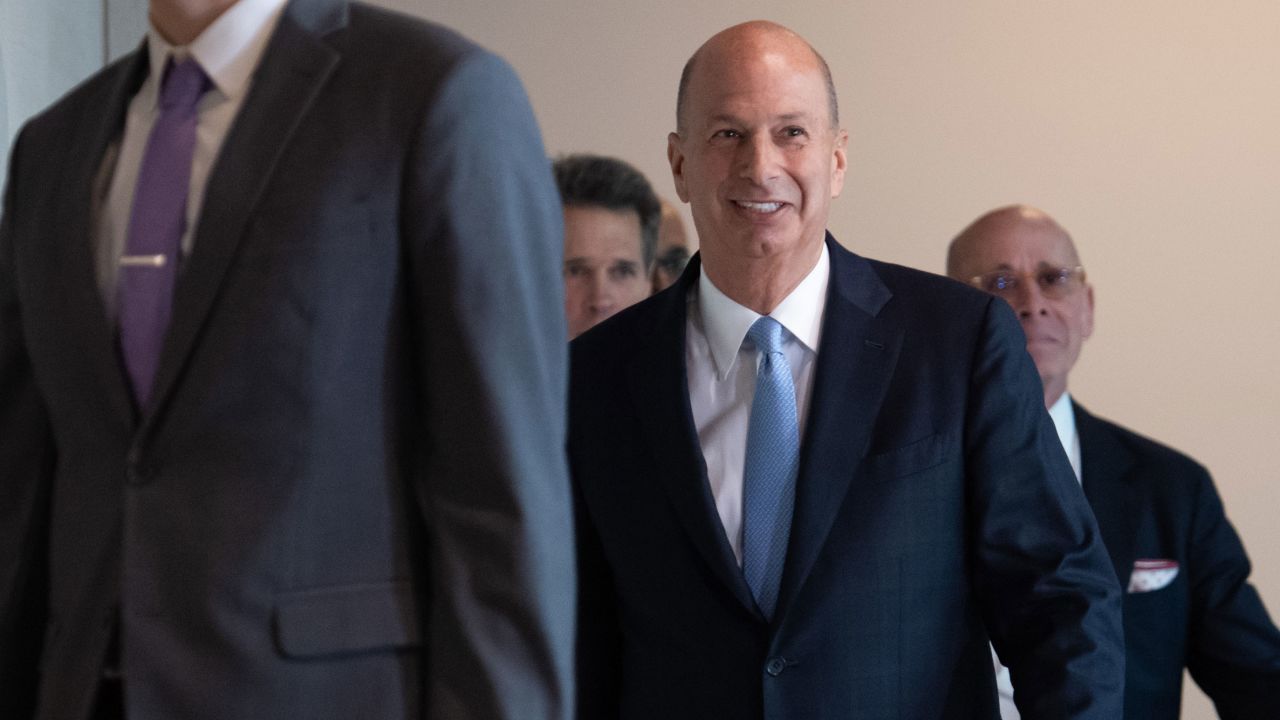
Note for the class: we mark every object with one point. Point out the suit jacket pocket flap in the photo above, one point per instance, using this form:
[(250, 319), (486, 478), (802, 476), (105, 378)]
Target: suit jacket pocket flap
[(910, 458), (347, 619)]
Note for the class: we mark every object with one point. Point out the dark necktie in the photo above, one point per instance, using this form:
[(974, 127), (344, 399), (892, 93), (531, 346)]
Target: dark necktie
[(157, 222), (772, 462)]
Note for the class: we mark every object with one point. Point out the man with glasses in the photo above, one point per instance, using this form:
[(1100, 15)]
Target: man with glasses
[(1188, 601)]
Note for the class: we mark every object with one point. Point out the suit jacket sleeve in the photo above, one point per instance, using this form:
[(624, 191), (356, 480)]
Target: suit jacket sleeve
[(26, 465), (1050, 596), (1233, 648), (483, 232)]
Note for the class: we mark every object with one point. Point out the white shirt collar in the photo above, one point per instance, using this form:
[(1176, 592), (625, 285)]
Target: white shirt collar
[(228, 50), (1064, 420), (726, 323)]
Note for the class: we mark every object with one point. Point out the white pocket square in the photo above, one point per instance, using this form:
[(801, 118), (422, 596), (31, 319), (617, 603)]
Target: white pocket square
[(1151, 575)]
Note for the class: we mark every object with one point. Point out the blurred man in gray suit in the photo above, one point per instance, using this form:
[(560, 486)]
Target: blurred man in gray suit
[(282, 376)]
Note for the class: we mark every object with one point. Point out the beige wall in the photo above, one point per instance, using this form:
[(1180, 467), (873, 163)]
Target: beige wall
[(46, 47), (1150, 129)]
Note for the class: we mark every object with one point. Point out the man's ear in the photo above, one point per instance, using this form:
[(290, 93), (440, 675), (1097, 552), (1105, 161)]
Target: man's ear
[(840, 162), (676, 158), (1088, 311)]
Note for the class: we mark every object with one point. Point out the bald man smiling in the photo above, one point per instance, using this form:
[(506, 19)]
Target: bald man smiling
[(803, 476)]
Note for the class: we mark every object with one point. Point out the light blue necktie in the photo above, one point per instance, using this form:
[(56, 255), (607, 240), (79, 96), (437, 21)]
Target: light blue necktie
[(769, 475)]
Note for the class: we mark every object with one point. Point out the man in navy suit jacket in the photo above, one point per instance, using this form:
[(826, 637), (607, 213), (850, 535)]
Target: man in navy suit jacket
[(1189, 603), (931, 499), (347, 495)]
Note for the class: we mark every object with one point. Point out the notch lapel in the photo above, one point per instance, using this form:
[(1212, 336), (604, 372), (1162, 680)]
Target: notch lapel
[(1105, 465), (289, 78), (855, 363), (660, 386), (73, 234)]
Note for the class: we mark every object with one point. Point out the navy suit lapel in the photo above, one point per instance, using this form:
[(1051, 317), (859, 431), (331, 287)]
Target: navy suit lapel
[(856, 358), (659, 384), (1104, 469), (73, 234), (294, 68)]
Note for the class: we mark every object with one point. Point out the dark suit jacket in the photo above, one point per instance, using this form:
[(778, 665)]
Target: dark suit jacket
[(933, 494), (348, 497), (1153, 502)]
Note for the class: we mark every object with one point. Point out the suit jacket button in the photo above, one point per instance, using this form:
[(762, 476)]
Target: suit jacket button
[(775, 666)]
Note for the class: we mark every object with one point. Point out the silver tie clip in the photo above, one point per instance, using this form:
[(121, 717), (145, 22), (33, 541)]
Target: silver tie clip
[(143, 260)]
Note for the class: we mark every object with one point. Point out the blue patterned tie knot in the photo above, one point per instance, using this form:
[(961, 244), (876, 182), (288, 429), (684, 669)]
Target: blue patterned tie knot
[(766, 334), (772, 463)]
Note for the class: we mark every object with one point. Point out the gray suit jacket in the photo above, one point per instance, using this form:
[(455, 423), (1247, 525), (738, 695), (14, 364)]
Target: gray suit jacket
[(348, 497)]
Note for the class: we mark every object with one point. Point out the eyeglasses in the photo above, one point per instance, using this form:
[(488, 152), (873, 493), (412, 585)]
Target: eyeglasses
[(1054, 283)]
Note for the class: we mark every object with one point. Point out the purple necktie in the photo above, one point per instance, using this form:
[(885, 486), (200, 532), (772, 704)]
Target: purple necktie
[(156, 224)]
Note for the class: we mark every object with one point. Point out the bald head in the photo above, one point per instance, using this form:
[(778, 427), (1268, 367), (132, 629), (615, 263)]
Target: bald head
[(1022, 255), (751, 39), (1012, 222), (758, 160)]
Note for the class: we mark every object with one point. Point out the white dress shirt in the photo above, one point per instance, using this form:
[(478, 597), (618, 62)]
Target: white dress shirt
[(228, 51), (1064, 421), (722, 376)]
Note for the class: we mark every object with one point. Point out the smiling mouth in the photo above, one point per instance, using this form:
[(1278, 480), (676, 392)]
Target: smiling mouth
[(763, 208)]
